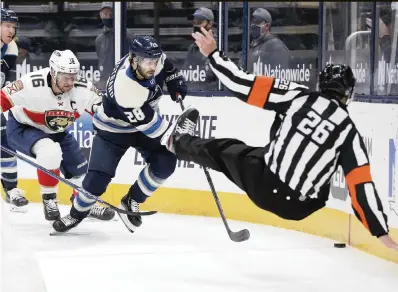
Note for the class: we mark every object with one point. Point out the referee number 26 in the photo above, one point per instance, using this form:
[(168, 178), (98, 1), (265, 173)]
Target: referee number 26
[(316, 127), (135, 115)]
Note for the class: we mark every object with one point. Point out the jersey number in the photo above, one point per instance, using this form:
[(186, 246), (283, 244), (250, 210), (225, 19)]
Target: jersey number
[(282, 84), (39, 81), (135, 115), (313, 124)]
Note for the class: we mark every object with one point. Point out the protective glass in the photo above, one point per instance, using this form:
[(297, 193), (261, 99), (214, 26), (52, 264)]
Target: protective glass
[(148, 63), (258, 21), (199, 21), (66, 77)]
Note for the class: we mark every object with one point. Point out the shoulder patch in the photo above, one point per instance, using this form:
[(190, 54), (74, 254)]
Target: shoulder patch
[(14, 87), (96, 91), (81, 82)]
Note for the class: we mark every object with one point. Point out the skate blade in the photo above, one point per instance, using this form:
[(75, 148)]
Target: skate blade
[(68, 233), (127, 223), (16, 209), (95, 219), (56, 233)]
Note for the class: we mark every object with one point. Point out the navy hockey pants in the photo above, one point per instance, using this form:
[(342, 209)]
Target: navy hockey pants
[(107, 150), (9, 173)]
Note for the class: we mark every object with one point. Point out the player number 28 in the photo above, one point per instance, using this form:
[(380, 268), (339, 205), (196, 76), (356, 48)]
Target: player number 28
[(135, 115), (313, 124)]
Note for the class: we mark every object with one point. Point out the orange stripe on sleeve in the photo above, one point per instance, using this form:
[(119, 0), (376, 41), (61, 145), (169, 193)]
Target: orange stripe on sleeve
[(260, 91), (357, 176)]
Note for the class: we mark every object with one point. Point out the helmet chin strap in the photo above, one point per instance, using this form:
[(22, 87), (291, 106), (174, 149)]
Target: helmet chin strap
[(54, 79)]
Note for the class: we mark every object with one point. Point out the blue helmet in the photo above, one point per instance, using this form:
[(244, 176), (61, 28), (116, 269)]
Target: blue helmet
[(145, 47), (8, 15)]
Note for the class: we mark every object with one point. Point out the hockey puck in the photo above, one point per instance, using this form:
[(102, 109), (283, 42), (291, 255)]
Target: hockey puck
[(340, 245)]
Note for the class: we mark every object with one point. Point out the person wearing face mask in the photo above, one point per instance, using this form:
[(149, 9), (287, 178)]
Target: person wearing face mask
[(104, 44), (198, 73), (386, 32), (265, 48)]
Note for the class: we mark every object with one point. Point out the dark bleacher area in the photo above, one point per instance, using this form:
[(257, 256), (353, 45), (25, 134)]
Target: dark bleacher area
[(75, 26)]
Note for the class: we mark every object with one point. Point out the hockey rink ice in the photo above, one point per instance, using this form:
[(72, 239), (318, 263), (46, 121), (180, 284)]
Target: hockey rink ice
[(178, 253)]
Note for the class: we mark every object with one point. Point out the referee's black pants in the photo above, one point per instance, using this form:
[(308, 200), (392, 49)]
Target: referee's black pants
[(244, 165)]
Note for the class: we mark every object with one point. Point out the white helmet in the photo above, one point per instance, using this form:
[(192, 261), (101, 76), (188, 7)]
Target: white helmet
[(65, 62)]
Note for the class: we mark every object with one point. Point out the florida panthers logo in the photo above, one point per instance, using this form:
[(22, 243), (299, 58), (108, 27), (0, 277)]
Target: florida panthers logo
[(59, 120)]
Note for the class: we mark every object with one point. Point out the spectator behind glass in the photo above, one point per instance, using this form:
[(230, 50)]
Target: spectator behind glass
[(386, 31), (196, 67), (104, 44), (265, 48)]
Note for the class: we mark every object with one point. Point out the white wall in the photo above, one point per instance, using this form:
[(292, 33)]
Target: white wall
[(229, 117)]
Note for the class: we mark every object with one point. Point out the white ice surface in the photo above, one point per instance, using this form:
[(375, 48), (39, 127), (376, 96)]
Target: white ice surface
[(180, 253)]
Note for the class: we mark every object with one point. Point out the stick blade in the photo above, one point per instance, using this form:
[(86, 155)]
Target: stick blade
[(147, 213), (239, 236)]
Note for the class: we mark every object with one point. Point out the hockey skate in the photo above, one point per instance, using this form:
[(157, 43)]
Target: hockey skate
[(65, 223), (131, 221), (51, 211), (99, 212), (16, 199), (185, 124)]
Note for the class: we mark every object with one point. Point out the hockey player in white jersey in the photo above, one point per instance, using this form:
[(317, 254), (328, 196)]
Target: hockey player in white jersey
[(42, 105), (128, 118), (9, 53)]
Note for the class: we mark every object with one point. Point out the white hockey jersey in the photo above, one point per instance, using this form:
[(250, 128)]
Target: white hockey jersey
[(32, 101)]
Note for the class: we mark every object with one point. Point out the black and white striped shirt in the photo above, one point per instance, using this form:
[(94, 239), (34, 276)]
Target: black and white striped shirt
[(315, 137)]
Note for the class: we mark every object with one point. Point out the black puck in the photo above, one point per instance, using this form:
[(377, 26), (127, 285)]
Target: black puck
[(340, 245)]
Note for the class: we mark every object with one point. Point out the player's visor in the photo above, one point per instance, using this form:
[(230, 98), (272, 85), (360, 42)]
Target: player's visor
[(66, 77), (148, 62)]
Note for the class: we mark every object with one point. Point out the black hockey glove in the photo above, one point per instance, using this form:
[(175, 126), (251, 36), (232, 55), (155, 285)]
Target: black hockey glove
[(176, 84)]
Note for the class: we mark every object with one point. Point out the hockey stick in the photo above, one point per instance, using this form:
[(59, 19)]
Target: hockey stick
[(65, 181), (238, 236)]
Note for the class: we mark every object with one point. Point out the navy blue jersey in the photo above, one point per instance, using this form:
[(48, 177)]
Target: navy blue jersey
[(9, 53), (130, 104)]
